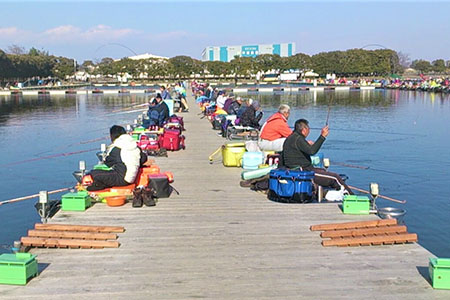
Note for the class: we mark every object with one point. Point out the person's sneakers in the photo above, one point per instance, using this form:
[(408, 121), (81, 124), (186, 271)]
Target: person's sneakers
[(147, 196), (137, 197)]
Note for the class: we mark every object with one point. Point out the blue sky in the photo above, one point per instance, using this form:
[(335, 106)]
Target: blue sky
[(91, 30)]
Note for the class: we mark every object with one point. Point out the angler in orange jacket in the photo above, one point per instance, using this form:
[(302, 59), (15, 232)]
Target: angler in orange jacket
[(275, 131)]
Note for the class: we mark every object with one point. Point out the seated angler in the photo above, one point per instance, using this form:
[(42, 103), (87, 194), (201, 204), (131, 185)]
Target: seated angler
[(124, 158), (297, 153), (158, 112), (249, 117), (234, 106), (275, 131)]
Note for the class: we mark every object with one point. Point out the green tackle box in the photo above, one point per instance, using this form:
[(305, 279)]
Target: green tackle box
[(137, 133), (76, 201), (17, 268), (439, 269), (356, 205), (101, 167)]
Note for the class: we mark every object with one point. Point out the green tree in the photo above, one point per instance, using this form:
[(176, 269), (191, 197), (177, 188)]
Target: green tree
[(6, 67), (266, 62), (299, 61), (438, 66), (217, 67), (183, 66), (63, 67), (421, 65)]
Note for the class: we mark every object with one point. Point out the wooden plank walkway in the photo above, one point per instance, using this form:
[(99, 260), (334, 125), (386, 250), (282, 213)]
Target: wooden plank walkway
[(219, 241)]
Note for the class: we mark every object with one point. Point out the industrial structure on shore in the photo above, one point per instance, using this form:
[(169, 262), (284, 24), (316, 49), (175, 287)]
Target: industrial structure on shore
[(227, 53)]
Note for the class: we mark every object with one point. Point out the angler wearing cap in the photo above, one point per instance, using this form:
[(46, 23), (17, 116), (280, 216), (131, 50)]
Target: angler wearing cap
[(249, 116), (234, 106)]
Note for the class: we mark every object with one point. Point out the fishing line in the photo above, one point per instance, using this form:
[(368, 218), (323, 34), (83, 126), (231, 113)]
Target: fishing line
[(373, 169)]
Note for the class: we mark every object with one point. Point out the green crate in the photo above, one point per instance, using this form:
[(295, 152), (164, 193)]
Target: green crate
[(101, 167), (137, 132), (439, 269), (17, 268), (356, 205), (76, 201)]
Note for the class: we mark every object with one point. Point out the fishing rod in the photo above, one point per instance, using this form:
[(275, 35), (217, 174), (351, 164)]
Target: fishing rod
[(48, 157), (126, 112), (129, 107), (329, 110), (381, 196), (33, 196), (370, 131)]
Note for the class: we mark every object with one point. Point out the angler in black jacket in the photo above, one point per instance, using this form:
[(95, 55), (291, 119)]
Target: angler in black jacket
[(249, 116), (297, 153), (123, 157)]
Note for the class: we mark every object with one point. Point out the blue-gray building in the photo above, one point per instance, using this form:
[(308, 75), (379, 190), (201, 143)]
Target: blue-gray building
[(227, 53)]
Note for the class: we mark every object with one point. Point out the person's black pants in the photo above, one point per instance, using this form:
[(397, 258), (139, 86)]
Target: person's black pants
[(103, 179), (329, 179)]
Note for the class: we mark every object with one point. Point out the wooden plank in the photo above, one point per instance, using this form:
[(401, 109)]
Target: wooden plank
[(50, 242), (72, 235), (364, 231), (373, 240), (351, 225), (86, 228)]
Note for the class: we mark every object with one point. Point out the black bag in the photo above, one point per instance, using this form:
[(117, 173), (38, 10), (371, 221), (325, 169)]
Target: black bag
[(159, 183)]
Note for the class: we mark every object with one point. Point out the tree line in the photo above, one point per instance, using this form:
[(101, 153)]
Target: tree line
[(33, 63), (354, 62)]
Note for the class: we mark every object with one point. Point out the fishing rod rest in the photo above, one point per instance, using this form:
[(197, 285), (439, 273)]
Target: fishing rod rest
[(326, 163), (82, 165), (374, 192), (43, 199)]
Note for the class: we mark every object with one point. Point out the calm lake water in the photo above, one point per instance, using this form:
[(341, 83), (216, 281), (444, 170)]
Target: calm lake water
[(399, 139)]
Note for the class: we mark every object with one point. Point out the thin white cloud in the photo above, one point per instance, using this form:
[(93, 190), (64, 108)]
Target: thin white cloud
[(67, 33), (61, 30), (107, 32)]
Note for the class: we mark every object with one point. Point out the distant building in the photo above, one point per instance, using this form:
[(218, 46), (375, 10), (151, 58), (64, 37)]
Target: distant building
[(227, 53), (145, 56)]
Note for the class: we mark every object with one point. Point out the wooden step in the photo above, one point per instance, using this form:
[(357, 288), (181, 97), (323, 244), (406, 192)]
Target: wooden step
[(72, 235), (83, 228), (372, 240), (67, 243), (383, 230), (354, 225)]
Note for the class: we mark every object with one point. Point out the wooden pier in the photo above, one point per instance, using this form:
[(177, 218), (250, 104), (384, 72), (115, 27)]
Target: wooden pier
[(217, 240)]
